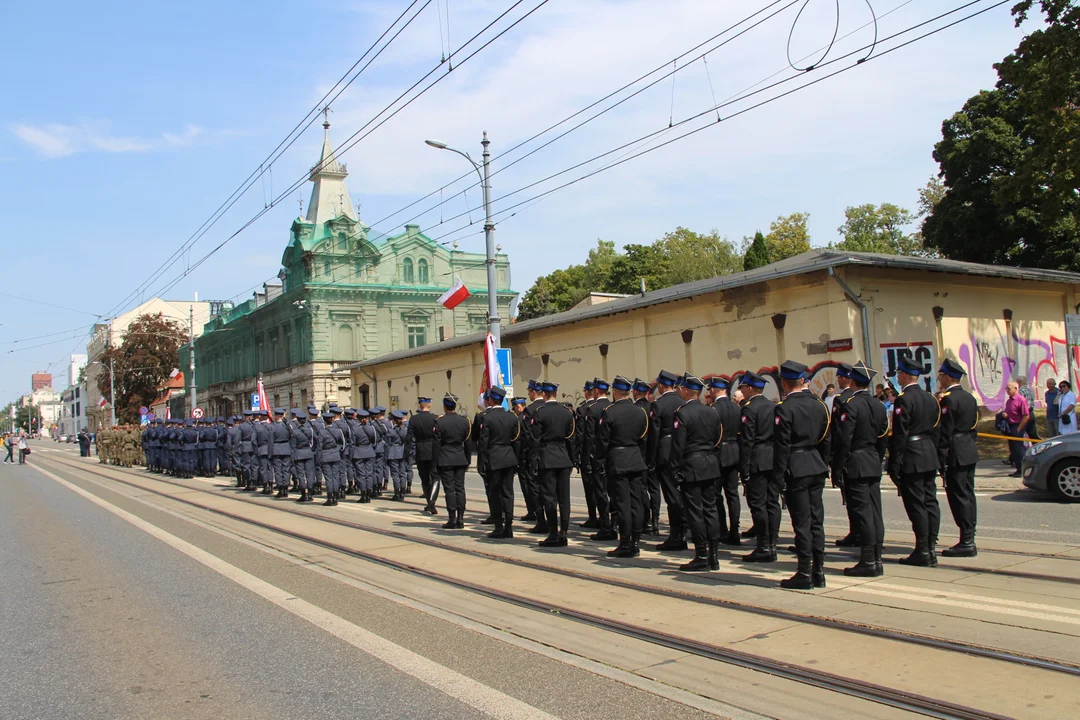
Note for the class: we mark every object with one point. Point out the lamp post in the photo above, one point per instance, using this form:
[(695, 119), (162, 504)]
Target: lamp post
[(484, 171)]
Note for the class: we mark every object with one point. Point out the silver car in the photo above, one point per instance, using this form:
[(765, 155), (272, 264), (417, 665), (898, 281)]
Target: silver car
[(1054, 466)]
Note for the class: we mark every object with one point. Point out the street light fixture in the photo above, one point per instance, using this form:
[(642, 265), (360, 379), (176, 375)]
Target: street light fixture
[(484, 171)]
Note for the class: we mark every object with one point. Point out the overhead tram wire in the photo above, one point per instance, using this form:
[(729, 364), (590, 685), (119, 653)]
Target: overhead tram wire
[(277, 152), (356, 137)]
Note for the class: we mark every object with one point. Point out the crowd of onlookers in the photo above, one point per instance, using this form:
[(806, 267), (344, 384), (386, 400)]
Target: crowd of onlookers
[(15, 442)]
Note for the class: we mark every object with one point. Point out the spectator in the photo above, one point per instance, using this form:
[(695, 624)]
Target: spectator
[(880, 393), (1066, 408), (1029, 395), (1050, 398), (23, 449), (889, 397), (1017, 415), (829, 396), (9, 445)]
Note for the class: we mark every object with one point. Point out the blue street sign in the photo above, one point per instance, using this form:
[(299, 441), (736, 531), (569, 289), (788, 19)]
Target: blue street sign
[(506, 367), (255, 401)]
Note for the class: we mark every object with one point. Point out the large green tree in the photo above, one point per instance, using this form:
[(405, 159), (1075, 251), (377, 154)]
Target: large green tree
[(554, 293), (788, 236), (1010, 159), (143, 360), (878, 229), (757, 252), (695, 256), (637, 263)]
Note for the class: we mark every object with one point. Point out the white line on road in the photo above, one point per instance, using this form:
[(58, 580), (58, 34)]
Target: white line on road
[(980, 604), (464, 689), (977, 598)]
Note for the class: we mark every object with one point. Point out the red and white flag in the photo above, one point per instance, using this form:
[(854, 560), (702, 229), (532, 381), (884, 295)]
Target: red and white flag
[(455, 295), (264, 403), (174, 373), (490, 377), (102, 402)]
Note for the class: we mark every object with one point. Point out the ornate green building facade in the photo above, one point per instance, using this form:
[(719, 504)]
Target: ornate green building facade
[(342, 297)]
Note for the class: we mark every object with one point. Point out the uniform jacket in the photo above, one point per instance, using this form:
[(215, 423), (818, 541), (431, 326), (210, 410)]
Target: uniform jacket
[(552, 429), (801, 446), (913, 446), (834, 428), (261, 437), (650, 439), (246, 432), (532, 449), (956, 439), (452, 432), (332, 440), (696, 432), (860, 435), (500, 439), (731, 422), (422, 432), (279, 440), (303, 441), (474, 440), (622, 436), (662, 416), (589, 430), (398, 443), (190, 438), (756, 436), (364, 442)]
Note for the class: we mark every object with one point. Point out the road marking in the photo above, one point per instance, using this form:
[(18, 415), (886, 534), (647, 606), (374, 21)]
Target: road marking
[(977, 598), (980, 604), (460, 687)]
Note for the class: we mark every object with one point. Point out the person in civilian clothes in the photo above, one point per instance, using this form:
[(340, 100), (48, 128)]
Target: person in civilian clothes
[(758, 419), (913, 460), (536, 397), (364, 456), (859, 443), (696, 435), (399, 453), (843, 379), (621, 438), (601, 499), (652, 479), (422, 432), (662, 417), (499, 440), (280, 452), (727, 454), (452, 433), (577, 452), (552, 429), (958, 454), (801, 454)]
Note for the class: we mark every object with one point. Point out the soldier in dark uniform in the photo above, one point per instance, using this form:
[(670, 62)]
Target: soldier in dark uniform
[(622, 434), (190, 447), (221, 454), (641, 392), (481, 461), (344, 420), (957, 455), (597, 463), (280, 452), (696, 433), (499, 439), (662, 416), (859, 440), (758, 419), (422, 433), (727, 454), (452, 433), (531, 451), (232, 447), (316, 424), (552, 428), (843, 382), (578, 455), (913, 461), (398, 453), (330, 440), (262, 451), (801, 454), (364, 456), (247, 451), (303, 440)]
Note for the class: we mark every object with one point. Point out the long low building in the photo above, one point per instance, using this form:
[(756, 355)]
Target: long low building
[(821, 308)]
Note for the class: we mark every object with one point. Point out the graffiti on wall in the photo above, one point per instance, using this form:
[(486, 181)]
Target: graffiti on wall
[(990, 368), (920, 353)]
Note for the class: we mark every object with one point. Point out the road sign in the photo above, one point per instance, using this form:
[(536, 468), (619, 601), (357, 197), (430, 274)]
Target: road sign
[(143, 410), (197, 413), (151, 417), (506, 367), (1072, 329), (255, 404)]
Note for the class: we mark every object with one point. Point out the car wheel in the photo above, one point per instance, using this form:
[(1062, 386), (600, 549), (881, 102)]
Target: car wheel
[(1065, 480)]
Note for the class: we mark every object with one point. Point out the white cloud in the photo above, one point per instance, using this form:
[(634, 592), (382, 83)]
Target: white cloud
[(56, 140), (183, 139)]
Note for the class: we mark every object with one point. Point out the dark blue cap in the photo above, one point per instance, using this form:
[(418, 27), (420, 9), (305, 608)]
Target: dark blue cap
[(535, 386), (279, 411), (399, 414), (248, 413), (862, 375), (641, 386), (667, 379), (422, 400), (297, 412), (752, 379), (336, 410), (907, 365), (719, 382), (601, 384), (843, 370), (952, 369), (622, 384), (496, 393), (350, 411), (362, 413), (549, 387), (691, 382), (378, 409), (189, 422), (327, 415), (449, 401), (791, 370), (589, 385)]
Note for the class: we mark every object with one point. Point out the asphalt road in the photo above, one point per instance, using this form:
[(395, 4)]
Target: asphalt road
[(105, 620)]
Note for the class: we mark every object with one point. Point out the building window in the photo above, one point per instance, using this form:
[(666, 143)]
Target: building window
[(359, 269), (422, 271), (326, 270), (407, 271), (417, 336), (342, 243)]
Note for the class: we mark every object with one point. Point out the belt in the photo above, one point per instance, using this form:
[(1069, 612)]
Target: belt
[(664, 435), (914, 438)]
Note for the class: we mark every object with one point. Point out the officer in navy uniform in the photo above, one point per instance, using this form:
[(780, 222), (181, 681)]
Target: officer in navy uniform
[(316, 423), (222, 455), (957, 455), (232, 448), (280, 451), (696, 434), (398, 453), (422, 433), (342, 418), (552, 429), (641, 392), (801, 455), (247, 452), (331, 441), (913, 460), (481, 461), (860, 437), (577, 449), (622, 435), (662, 416), (262, 451), (190, 447), (452, 433), (364, 455), (843, 383), (304, 440), (727, 454), (531, 460), (758, 419), (499, 440), (148, 446), (596, 460)]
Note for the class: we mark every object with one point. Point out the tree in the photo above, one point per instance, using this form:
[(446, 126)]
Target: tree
[(693, 256), (598, 264), (878, 229), (1010, 159), (637, 262), (142, 362), (788, 236), (757, 253), (28, 417), (553, 293)]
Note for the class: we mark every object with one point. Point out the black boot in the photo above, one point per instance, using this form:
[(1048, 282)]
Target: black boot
[(624, 550), (801, 580), (733, 538), (714, 562), (964, 548), (541, 528), (674, 542), (817, 569), (508, 531), (867, 565), (451, 521), (489, 520), (700, 563), (591, 524), (752, 532), (605, 533), (497, 533), (528, 517), (330, 500), (849, 540), (635, 540), (460, 525), (654, 523), (304, 497), (931, 550), (919, 557), (763, 553)]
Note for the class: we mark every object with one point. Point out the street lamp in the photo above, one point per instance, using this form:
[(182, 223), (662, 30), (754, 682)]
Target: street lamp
[(484, 171)]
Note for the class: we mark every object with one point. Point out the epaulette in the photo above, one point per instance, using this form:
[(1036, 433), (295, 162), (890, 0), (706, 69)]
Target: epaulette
[(946, 393)]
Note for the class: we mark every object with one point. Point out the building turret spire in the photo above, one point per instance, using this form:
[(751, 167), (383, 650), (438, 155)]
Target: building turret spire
[(330, 194)]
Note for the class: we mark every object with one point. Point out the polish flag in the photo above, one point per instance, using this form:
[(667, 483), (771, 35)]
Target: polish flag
[(455, 295), (174, 373), (102, 402), (490, 376), (264, 403)]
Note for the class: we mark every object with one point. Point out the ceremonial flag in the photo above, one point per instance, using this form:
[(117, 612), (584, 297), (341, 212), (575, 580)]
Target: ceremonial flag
[(455, 295), (490, 376), (264, 404), (101, 403), (174, 373)]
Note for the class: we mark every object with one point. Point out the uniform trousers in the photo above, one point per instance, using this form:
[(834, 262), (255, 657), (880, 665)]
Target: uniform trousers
[(349, 472), (424, 470), (555, 494), (669, 484), (453, 481), (528, 482), (727, 489), (864, 508), (502, 495), (763, 497), (652, 487), (280, 467), (399, 471), (960, 492), (209, 460), (919, 492), (586, 484), (601, 499), (189, 460), (807, 513), (265, 473), (702, 515), (365, 473), (222, 461), (332, 471), (248, 466), (305, 472), (629, 498)]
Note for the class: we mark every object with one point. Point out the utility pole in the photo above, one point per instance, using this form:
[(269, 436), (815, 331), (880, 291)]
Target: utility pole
[(191, 356), (112, 391)]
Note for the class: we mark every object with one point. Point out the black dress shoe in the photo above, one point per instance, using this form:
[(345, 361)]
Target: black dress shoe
[(849, 540), (431, 510), (918, 558), (961, 549), (488, 521), (591, 524), (552, 542), (798, 581), (604, 536), (450, 525), (496, 534), (672, 544), (539, 530), (625, 550), (528, 517), (698, 564), (761, 555)]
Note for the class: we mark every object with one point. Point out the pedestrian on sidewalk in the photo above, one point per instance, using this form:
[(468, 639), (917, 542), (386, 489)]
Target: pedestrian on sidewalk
[(1050, 398), (1017, 415), (1029, 395), (24, 450), (1066, 408), (9, 445)]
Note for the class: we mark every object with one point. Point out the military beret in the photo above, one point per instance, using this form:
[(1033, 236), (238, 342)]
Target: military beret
[(752, 379), (692, 383), (791, 370), (861, 374), (666, 378), (907, 365), (952, 369), (719, 382), (843, 370), (641, 386), (496, 393), (549, 387), (622, 384)]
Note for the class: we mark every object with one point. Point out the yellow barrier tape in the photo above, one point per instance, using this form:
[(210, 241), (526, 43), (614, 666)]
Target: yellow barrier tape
[(1003, 437)]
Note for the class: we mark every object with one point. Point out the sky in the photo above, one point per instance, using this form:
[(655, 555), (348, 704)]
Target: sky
[(124, 125)]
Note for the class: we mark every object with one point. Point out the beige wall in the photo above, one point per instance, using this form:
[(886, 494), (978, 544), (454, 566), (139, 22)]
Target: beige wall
[(733, 331)]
